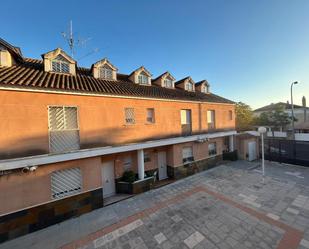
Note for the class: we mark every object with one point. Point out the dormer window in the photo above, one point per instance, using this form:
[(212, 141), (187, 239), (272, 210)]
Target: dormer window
[(189, 86), (103, 69), (205, 89), (105, 72), (60, 65), (168, 83), (143, 79), (59, 62)]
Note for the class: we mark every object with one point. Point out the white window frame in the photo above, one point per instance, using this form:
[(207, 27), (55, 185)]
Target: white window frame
[(210, 150), (187, 154), (72, 180), (211, 119), (62, 65), (205, 89), (189, 86), (168, 83), (147, 156), (127, 122), (143, 79), (105, 72), (185, 117), (50, 130), (150, 120)]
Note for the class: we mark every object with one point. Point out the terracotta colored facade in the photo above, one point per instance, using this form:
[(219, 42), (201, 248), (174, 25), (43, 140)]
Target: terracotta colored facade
[(162, 144)]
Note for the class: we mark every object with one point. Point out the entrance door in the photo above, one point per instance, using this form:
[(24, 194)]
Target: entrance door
[(252, 151), (108, 179), (162, 165)]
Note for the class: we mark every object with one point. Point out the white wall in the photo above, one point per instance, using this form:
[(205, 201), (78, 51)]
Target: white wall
[(302, 136)]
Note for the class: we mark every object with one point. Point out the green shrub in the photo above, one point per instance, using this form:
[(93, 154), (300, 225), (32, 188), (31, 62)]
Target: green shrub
[(128, 176)]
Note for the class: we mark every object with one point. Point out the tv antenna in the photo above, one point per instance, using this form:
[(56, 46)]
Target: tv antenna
[(73, 43)]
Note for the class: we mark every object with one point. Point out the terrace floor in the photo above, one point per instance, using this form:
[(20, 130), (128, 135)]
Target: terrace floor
[(225, 207)]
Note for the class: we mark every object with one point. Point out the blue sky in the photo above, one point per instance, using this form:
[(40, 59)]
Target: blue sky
[(248, 50)]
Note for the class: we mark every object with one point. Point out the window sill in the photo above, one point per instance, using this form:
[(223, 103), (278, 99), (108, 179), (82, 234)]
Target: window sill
[(149, 123)]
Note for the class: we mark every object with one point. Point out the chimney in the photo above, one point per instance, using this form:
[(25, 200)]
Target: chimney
[(305, 108)]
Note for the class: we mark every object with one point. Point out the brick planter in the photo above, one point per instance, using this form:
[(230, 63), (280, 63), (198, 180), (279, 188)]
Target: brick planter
[(136, 187), (193, 167)]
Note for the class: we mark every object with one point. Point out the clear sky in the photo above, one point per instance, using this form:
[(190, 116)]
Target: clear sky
[(248, 50)]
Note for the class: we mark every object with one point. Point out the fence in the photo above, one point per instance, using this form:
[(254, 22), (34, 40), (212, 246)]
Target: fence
[(287, 151)]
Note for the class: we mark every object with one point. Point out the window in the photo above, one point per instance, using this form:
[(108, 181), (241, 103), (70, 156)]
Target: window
[(211, 119), (60, 65), (63, 129), (127, 163), (66, 182), (212, 149), (150, 115), (168, 83), (187, 154), (185, 117), (129, 115), (143, 79), (147, 157), (105, 72), (205, 89), (230, 115), (189, 86)]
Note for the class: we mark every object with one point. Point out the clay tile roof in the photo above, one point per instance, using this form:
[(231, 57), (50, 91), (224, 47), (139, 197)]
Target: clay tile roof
[(31, 74)]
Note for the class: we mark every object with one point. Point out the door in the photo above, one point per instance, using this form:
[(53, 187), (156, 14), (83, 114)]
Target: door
[(162, 165), (108, 179), (252, 151)]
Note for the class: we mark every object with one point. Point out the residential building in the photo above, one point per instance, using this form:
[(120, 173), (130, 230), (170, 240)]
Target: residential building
[(67, 134), (301, 113)]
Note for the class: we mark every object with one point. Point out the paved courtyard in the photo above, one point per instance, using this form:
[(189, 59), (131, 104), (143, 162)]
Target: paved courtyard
[(226, 207)]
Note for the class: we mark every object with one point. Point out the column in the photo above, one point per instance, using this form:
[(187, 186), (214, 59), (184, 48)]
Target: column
[(140, 164), (231, 143)]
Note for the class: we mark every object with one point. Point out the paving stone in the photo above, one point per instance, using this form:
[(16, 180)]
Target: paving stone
[(194, 239), (273, 216), (160, 237)]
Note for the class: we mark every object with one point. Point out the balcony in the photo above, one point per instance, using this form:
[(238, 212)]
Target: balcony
[(186, 130)]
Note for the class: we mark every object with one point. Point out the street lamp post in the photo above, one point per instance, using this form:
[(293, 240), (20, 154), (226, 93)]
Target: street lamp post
[(262, 130), (292, 107)]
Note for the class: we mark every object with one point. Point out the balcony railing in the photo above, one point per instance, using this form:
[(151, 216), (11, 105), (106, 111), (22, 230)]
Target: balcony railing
[(186, 129)]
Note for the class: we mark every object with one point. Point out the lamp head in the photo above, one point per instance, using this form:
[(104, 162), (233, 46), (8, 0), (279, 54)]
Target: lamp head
[(295, 82), (262, 129)]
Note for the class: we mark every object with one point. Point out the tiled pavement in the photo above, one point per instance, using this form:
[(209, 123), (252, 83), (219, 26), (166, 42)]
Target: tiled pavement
[(226, 207)]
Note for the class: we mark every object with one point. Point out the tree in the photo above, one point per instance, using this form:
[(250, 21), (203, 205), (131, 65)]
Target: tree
[(244, 116)]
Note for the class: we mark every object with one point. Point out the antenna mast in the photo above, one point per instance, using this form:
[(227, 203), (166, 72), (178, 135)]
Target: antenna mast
[(70, 39)]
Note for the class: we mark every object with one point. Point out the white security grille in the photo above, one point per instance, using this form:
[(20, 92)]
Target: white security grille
[(129, 115), (60, 65), (212, 149), (63, 129), (106, 72), (66, 182), (187, 154)]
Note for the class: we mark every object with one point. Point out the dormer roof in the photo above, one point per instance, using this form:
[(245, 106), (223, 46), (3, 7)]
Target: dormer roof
[(186, 79), (142, 68), (164, 75), (14, 51), (54, 53), (202, 82), (104, 61)]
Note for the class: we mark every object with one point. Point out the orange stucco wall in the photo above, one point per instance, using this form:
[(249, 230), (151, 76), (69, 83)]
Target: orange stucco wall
[(21, 190), (24, 120)]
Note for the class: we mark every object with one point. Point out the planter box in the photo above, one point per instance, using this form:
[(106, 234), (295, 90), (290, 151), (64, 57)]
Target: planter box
[(136, 187)]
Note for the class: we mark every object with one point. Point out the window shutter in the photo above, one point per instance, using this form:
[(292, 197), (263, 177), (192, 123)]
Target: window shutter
[(129, 115), (66, 182)]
